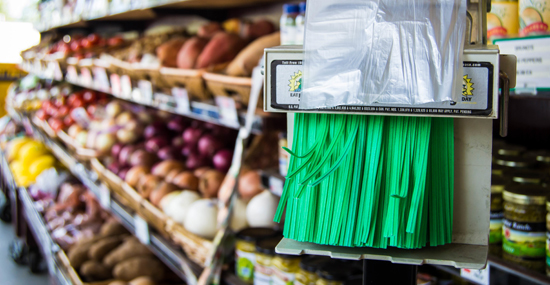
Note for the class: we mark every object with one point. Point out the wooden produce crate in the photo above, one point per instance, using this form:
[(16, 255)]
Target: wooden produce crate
[(80, 152), (154, 217), (73, 275), (128, 195), (237, 88), (44, 126), (197, 249), (190, 79)]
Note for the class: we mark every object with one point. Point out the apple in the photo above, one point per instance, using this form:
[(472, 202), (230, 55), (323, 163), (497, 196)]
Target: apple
[(115, 41), (62, 112), (89, 96), (68, 121), (41, 115), (56, 124), (93, 38), (46, 105), (76, 45)]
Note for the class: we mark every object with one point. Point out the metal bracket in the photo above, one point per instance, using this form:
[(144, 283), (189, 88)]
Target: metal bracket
[(504, 83)]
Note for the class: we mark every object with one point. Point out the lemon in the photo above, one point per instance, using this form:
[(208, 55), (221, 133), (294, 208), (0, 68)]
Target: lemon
[(30, 151), (40, 164), (17, 168), (14, 146)]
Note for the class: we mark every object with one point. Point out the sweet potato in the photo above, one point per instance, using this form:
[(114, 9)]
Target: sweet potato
[(208, 30), (78, 254), (249, 57), (101, 248), (223, 47), (92, 270), (143, 280), (167, 52), (139, 266), (129, 249), (190, 51), (258, 29), (112, 228)]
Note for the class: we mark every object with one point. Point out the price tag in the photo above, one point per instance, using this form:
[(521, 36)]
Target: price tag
[(182, 100), (276, 186), (104, 197), (50, 70), (478, 276), (125, 87), (165, 102), (101, 80), (72, 74), (86, 77), (146, 89), (116, 89), (141, 229), (228, 111), (57, 73)]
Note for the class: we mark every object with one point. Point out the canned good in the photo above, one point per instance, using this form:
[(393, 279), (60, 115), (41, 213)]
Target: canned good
[(497, 215), (265, 252), (335, 273), (307, 274), (245, 251), (284, 269), (508, 149), (524, 225), (503, 20), (534, 16), (497, 169), (515, 162), (526, 176)]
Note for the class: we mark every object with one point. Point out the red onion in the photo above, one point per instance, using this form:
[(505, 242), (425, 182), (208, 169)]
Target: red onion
[(187, 150), (122, 173), (208, 145), (115, 150), (222, 160), (142, 157), (177, 141), (125, 152), (114, 167), (155, 144), (191, 135), (177, 124), (155, 129), (195, 161), (169, 152)]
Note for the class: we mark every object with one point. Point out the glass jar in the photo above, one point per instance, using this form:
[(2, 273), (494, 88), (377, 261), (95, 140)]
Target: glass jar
[(288, 23), (335, 272), (265, 252), (526, 176), (307, 274), (524, 225), (284, 269), (245, 251), (509, 150), (513, 162), (503, 20), (497, 214), (497, 169)]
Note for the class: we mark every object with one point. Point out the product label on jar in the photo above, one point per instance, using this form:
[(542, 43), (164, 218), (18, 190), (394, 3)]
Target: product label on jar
[(533, 17), (524, 239), (495, 233), (503, 20), (262, 274), (282, 278), (244, 267)]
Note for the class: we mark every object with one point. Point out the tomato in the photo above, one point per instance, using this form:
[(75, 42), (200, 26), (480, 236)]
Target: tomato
[(87, 44), (56, 124), (41, 115), (68, 121), (115, 41), (62, 112), (46, 105), (78, 102), (76, 45), (59, 101), (73, 97), (89, 96), (93, 38)]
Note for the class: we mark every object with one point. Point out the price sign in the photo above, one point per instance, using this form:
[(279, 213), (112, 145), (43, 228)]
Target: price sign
[(228, 111), (182, 100), (141, 229), (126, 87), (116, 88), (146, 89), (72, 74), (478, 276), (165, 102), (101, 80), (276, 186), (104, 197)]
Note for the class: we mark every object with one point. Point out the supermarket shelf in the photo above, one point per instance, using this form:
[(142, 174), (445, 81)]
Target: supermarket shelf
[(205, 112), (146, 11), (519, 271)]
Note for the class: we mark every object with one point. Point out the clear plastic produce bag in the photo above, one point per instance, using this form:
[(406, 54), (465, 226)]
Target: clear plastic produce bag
[(360, 52)]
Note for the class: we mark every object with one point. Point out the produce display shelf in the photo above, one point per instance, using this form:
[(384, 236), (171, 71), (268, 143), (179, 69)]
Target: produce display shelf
[(201, 111), (164, 249), (145, 11)]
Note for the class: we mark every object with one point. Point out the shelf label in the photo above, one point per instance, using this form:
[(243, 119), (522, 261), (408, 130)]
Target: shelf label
[(104, 197), (228, 111), (165, 102), (146, 89), (116, 89), (86, 77), (276, 186), (72, 74), (141, 229), (125, 87), (101, 80), (479, 276), (182, 100)]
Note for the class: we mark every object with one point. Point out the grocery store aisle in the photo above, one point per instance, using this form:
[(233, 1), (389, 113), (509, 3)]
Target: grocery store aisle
[(11, 273)]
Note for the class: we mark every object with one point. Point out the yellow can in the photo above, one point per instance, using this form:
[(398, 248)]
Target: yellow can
[(245, 251), (534, 17), (503, 20)]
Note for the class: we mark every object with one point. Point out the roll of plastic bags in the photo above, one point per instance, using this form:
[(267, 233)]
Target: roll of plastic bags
[(364, 52)]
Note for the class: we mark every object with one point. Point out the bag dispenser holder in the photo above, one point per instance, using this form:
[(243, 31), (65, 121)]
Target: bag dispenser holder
[(485, 71)]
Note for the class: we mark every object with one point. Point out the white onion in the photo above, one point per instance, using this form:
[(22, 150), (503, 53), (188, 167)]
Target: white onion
[(261, 210), (201, 218)]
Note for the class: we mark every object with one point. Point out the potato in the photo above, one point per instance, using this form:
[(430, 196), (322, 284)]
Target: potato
[(139, 266), (143, 280), (112, 228), (208, 30), (190, 51), (167, 52), (101, 248), (249, 57), (92, 270), (130, 248), (223, 47), (78, 254)]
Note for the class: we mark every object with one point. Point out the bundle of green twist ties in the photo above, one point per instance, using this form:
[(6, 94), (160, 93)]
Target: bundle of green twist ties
[(370, 181)]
